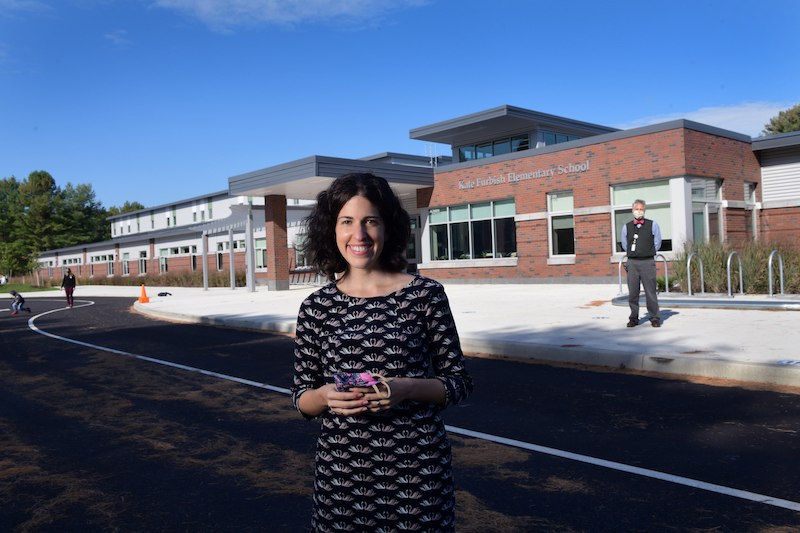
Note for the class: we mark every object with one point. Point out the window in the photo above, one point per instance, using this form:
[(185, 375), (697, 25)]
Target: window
[(706, 210), (142, 263), (561, 223), (126, 269), (220, 261), (174, 216), (411, 248), (152, 220), (475, 231), (163, 264), (657, 196), (750, 199), (261, 253), (110, 267), (299, 255), (210, 211), (489, 149), (557, 138)]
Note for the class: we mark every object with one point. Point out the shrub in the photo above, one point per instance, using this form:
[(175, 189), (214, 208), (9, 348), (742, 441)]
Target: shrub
[(168, 279), (755, 267)]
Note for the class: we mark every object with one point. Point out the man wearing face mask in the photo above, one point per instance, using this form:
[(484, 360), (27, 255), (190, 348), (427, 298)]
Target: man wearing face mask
[(641, 239)]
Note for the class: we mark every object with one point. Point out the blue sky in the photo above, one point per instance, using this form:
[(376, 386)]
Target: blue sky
[(160, 100)]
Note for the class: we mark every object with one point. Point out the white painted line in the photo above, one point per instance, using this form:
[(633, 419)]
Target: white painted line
[(149, 359), (719, 489), (759, 498)]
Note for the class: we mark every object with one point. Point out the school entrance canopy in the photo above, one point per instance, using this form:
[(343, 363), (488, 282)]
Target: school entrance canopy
[(304, 179)]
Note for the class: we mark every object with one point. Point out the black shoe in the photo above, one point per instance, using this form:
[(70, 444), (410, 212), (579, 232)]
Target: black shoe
[(656, 323), (633, 322)]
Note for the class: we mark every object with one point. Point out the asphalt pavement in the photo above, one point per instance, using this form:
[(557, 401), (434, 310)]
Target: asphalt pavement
[(744, 337)]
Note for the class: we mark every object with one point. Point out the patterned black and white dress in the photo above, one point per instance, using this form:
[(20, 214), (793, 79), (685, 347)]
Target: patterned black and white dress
[(390, 471)]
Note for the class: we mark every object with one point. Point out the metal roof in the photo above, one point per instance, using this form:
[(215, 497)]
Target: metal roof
[(305, 178), (780, 140), (501, 121)]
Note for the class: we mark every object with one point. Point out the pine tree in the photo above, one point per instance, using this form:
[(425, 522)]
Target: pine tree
[(784, 122)]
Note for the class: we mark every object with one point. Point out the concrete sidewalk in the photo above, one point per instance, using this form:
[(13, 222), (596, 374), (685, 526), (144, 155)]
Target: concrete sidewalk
[(576, 323)]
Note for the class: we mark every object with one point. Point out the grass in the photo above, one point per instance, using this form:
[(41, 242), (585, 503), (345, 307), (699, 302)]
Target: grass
[(216, 278), (22, 288)]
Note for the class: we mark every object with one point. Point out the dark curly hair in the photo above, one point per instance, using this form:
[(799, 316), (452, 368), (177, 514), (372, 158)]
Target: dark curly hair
[(320, 243)]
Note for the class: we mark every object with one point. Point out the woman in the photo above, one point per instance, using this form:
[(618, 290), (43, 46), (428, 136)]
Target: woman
[(68, 284), (382, 464)]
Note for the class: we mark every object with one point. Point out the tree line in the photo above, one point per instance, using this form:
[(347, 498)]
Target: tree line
[(37, 215)]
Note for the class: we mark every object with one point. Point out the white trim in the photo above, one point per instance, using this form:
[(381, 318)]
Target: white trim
[(561, 259), (735, 204), (594, 210), (778, 204), (471, 263), (531, 216)]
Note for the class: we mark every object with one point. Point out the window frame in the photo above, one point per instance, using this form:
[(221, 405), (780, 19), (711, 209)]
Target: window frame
[(559, 214), (626, 208), (486, 149), (459, 217)]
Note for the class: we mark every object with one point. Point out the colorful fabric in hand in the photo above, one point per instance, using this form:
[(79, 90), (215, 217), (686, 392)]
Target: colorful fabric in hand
[(348, 380)]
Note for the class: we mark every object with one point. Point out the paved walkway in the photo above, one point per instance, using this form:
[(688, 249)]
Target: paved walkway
[(577, 323)]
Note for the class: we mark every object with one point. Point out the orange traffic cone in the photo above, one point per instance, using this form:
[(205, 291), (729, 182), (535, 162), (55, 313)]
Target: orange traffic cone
[(143, 299)]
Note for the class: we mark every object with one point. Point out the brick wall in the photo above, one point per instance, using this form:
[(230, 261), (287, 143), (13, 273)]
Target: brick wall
[(665, 154), (277, 262), (780, 225)]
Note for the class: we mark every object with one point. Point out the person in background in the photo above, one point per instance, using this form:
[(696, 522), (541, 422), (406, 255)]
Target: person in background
[(68, 284), (383, 460), (641, 239), (18, 303)]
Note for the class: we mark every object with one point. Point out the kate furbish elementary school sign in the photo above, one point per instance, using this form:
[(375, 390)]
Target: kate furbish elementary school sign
[(513, 177)]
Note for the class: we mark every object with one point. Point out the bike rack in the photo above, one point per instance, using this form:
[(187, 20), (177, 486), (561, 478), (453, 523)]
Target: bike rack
[(780, 262), (666, 272), (689, 273), (741, 282)]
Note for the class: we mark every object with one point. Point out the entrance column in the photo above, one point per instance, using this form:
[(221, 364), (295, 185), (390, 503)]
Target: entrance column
[(277, 243)]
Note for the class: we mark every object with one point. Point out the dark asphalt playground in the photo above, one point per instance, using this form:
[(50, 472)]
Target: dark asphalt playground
[(97, 441)]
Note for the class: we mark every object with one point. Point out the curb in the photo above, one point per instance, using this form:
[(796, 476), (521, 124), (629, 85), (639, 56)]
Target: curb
[(657, 363)]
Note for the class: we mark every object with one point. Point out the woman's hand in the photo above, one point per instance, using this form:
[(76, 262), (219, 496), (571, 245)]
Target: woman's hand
[(418, 389), (343, 403), (361, 399)]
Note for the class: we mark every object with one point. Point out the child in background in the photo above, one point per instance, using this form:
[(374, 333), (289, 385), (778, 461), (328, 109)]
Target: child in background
[(18, 302)]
